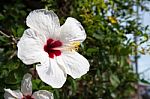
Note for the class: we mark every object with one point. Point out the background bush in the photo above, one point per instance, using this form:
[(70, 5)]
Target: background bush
[(107, 48)]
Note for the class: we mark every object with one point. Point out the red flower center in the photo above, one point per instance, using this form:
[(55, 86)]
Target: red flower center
[(51, 47), (27, 97)]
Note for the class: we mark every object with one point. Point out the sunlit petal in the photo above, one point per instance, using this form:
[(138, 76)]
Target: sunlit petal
[(44, 22), (26, 84), (9, 94), (75, 63), (43, 94), (30, 47), (51, 73), (72, 30)]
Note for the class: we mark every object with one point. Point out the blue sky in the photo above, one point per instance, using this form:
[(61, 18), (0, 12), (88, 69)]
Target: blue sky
[(144, 61)]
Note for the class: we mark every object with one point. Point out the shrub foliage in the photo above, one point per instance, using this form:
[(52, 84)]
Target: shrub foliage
[(107, 48)]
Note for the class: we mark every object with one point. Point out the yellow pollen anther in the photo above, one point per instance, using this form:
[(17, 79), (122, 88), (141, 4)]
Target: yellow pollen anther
[(75, 45), (69, 47)]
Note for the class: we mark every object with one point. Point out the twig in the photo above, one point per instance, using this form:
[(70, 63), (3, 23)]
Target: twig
[(4, 34), (12, 55), (11, 36), (13, 39)]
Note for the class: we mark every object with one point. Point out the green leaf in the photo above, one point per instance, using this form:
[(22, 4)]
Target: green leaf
[(73, 85), (3, 39), (45, 88), (56, 94), (92, 50), (114, 80), (35, 84), (3, 73), (2, 17), (11, 79), (20, 31), (97, 36)]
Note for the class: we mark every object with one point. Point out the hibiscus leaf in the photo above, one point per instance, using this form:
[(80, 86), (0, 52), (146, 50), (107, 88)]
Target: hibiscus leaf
[(92, 50), (114, 80), (73, 85), (46, 88), (11, 79), (20, 31), (56, 94), (1, 17), (35, 84)]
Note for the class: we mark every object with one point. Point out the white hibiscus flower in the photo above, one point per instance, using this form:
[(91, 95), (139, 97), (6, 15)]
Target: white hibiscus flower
[(53, 46), (26, 91)]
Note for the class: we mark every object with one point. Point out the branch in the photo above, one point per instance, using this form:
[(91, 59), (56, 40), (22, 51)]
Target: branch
[(4, 34), (11, 36)]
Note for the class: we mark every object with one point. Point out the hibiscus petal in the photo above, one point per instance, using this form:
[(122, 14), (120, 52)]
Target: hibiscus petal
[(72, 30), (43, 94), (31, 48), (75, 63), (51, 73), (26, 85), (9, 94), (44, 21)]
